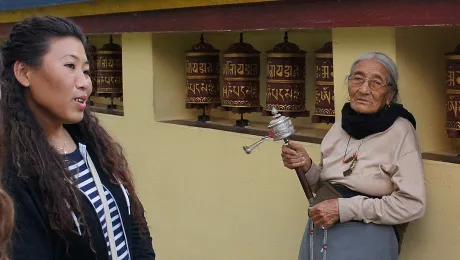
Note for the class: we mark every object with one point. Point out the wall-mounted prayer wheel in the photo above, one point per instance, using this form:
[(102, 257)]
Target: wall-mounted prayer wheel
[(453, 93), (92, 59), (286, 80), (202, 78), (324, 90), (241, 84), (109, 71)]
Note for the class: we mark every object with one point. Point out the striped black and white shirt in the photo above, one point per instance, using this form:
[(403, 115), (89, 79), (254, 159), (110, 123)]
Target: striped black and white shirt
[(80, 171)]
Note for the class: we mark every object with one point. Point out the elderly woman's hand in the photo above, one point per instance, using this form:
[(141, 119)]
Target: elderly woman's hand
[(325, 214), (294, 155)]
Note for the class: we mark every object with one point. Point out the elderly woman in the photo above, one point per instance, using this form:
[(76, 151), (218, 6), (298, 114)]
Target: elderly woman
[(369, 183)]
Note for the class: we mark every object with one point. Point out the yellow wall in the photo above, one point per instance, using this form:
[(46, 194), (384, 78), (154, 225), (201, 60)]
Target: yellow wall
[(113, 6), (349, 44), (437, 235), (206, 199), (421, 61)]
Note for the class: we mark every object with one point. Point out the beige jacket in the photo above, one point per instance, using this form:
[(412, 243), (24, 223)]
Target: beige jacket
[(389, 165)]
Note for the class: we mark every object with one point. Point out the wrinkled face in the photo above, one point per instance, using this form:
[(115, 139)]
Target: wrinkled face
[(368, 87), (58, 90)]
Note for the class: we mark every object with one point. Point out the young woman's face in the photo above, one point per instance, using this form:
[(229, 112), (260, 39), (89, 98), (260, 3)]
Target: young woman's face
[(58, 90)]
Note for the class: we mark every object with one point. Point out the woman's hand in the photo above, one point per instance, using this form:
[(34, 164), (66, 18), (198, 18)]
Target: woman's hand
[(325, 214), (294, 155)]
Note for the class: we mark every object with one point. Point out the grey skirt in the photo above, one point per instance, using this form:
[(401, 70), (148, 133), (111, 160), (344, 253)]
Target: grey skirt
[(351, 240)]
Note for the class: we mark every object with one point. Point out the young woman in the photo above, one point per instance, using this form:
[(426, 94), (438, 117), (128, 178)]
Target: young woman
[(70, 182)]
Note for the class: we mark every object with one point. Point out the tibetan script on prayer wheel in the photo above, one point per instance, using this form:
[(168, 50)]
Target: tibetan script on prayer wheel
[(241, 70), (109, 70), (286, 79), (92, 59), (453, 93), (324, 89), (202, 76)]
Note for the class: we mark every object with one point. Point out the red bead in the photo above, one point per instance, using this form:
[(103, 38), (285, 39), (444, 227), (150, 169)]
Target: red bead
[(354, 154)]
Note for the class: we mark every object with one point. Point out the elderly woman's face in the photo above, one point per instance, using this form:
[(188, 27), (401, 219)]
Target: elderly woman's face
[(367, 87)]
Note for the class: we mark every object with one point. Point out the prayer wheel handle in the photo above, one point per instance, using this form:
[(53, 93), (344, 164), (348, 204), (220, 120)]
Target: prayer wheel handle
[(281, 128)]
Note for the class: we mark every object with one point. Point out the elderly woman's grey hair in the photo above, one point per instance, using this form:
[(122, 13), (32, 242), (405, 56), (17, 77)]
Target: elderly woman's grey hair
[(389, 64)]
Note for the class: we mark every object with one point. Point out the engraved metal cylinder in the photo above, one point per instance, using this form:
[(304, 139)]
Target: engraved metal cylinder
[(109, 70), (285, 78), (92, 59), (324, 90), (202, 75), (281, 126), (241, 71), (453, 93)]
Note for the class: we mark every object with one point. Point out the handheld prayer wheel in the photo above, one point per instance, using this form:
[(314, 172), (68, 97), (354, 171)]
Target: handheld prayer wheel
[(109, 71), (202, 78), (286, 79), (324, 90), (241, 84), (453, 93)]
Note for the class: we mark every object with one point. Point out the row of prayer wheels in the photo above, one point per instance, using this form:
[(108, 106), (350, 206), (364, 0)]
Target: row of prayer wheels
[(240, 91), (106, 71)]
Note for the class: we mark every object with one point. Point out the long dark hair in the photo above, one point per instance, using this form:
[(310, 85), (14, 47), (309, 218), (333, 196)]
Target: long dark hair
[(26, 146), (6, 209)]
